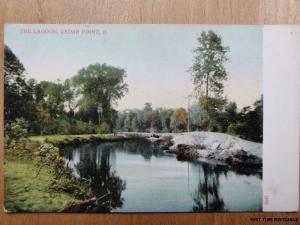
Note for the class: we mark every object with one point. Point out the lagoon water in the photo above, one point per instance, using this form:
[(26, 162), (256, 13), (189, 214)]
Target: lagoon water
[(137, 176)]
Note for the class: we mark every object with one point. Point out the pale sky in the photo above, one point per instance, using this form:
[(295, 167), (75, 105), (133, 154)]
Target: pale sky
[(155, 57)]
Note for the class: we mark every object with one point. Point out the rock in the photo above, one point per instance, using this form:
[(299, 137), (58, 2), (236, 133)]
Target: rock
[(186, 152), (155, 135), (217, 147)]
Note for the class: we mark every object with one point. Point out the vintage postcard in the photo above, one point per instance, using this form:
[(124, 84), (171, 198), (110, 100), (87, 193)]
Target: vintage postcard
[(143, 118)]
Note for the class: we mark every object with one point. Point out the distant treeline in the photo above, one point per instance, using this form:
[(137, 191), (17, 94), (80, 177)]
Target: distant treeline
[(247, 122)]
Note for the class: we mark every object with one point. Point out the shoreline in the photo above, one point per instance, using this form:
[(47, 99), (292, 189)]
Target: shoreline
[(71, 140), (210, 147)]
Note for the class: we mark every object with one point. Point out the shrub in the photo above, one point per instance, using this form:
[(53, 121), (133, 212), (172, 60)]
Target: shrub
[(45, 156), (83, 128), (48, 156), (16, 130), (103, 128), (71, 186), (165, 130), (214, 126), (231, 129), (63, 126), (15, 138)]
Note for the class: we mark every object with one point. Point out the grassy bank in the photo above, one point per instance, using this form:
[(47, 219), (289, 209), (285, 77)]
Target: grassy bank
[(67, 140), (61, 138), (26, 192)]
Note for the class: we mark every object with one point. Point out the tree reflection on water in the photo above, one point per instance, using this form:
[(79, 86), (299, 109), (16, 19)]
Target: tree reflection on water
[(206, 197), (95, 169), (96, 165), (93, 165)]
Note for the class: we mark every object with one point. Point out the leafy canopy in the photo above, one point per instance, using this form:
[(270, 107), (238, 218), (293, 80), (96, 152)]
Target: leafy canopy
[(208, 71), (100, 86)]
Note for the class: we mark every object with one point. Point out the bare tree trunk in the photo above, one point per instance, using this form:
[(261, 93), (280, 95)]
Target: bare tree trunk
[(206, 86), (206, 104)]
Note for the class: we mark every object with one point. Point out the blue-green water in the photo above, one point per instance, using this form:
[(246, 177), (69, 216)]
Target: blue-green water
[(137, 176)]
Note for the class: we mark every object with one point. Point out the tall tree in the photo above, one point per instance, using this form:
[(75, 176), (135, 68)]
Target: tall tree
[(165, 118), (147, 107), (250, 124), (179, 119), (54, 98), (18, 96), (208, 70), (100, 86), (195, 116), (127, 122), (69, 95)]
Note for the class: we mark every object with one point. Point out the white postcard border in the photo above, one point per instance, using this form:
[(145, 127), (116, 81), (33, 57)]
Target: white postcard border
[(281, 72)]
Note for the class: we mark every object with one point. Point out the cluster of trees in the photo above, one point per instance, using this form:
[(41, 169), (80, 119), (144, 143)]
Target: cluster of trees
[(209, 74), (212, 112), (152, 120), (82, 104), (226, 118)]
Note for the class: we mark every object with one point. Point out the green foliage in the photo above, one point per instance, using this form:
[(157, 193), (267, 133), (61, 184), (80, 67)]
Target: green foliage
[(147, 107), (16, 130), (153, 120), (103, 128), (231, 129), (72, 186), (70, 97), (24, 192), (55, 107), (134, 124), (53, 98), (19, 102), (144, 120), (195, 116), (211, 104), (15, 139), (84, 103), (179, 119), (214, 126), (211, 113), (127, 123), (208, 70), (165, 119), (83, 128), (100, 86), (48, 156), (250, 124)]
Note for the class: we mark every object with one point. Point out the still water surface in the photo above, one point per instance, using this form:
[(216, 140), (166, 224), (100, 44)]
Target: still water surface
[(137, 176)]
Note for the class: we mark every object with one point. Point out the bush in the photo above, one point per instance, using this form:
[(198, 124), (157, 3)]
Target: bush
[(63, 126), (231, 129), (46, 156), (15, 142), (83, 128), (165, 130), (214, 126), (16, 130), (71, 186), (103, 128)]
